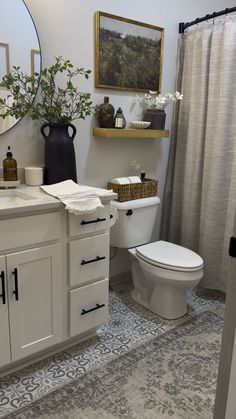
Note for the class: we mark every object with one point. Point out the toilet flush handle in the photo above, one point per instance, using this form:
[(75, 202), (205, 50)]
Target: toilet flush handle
[(129, 212)]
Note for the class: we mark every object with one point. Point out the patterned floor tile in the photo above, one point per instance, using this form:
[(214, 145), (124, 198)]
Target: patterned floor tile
[(94, 353), (201, 299), (9, 401), (125, 322), (38, 379), (129, 325)]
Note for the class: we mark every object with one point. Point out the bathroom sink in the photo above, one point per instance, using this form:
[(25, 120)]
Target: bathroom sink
[(13, 197)]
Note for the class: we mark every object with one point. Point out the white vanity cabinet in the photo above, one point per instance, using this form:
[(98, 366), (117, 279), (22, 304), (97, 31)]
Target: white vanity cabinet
[(88, 270), (54, 269), (31, 287)]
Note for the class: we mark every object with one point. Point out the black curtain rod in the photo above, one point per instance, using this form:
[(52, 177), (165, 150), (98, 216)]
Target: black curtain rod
[(183, 25)]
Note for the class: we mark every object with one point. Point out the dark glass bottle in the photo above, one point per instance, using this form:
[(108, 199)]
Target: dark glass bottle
[(106, 114), (9, 167), (143, 176), (120, 121)]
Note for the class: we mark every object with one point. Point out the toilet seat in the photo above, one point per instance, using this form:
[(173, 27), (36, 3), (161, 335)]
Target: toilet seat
[(170, 256)]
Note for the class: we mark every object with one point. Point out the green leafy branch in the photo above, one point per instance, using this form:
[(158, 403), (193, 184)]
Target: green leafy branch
[(56, 104)]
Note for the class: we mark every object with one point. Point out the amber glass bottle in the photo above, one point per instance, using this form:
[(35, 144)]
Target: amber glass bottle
[(106, 114), (9, 167)]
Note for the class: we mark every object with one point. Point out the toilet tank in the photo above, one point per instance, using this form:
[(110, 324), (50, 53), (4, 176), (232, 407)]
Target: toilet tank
[(135, 222)]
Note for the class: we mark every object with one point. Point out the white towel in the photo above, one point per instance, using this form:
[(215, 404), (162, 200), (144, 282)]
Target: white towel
[(134, 179), (126, 180), (120, 180), (78, 199)]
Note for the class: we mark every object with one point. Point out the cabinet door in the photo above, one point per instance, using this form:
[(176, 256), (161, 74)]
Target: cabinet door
[(5, 353), (35, 299)]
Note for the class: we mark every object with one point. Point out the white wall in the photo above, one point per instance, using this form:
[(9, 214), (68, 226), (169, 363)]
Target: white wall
[(66, 28)]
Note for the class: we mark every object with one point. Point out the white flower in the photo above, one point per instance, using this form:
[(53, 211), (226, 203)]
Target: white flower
[(135, 99), (178, 95), (157, 101), (170, 96)]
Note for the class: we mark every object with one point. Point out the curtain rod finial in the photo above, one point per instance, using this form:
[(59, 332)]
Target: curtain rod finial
[(181, 27)]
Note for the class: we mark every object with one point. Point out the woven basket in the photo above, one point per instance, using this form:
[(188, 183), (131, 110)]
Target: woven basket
[(134, 190)]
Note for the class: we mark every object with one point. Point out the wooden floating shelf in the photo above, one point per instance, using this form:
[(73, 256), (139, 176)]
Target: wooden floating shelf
[(130, 133)]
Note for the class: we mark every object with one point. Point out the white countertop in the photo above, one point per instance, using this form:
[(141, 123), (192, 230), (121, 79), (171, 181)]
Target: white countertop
[(31, 198)]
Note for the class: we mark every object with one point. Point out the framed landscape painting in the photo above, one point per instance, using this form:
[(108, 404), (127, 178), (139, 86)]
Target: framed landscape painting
[(128, 54), (4, 60), (35, 61)]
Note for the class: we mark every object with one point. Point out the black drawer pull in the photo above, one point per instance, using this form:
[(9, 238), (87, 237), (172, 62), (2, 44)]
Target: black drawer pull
[(129, 212), (16, 290), (3, 295), (98, 220), (83, 312), (98, 258)]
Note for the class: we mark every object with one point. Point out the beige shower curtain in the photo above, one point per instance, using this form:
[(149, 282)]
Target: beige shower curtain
[(200, 195)]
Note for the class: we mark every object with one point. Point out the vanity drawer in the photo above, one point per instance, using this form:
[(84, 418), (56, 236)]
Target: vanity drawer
[(33, 229), (95, 222), (88, 307), (88, 259)]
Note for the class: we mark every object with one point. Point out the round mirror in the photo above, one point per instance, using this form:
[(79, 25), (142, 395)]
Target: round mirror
[(19, 46)]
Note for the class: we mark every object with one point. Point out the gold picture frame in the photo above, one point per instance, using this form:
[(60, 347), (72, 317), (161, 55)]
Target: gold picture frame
[(128, 54), (35, 57), (4, 59)]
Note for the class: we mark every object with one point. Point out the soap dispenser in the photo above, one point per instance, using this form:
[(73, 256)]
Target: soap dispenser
[(9, 167)]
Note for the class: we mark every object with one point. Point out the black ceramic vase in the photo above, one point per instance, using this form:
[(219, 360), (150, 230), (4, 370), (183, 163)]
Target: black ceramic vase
[(59, 152), (157, 117), (106, 114)]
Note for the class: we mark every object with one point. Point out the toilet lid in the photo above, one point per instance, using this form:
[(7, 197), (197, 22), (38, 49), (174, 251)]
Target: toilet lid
[(169, 255)]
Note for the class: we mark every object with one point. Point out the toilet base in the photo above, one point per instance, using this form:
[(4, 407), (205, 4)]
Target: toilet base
[(161, 291), (166, 302), (140, 299)]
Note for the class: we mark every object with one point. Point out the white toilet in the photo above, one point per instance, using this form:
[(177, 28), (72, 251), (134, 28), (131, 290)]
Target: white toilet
[(161, 271)]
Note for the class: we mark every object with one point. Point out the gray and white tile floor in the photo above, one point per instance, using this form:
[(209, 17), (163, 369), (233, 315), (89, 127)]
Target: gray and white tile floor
[(129, 325)]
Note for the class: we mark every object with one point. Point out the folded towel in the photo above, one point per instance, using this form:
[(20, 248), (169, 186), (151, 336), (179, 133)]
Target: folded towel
[(78, 199), (126, 180), (134, 179), (120, 180)]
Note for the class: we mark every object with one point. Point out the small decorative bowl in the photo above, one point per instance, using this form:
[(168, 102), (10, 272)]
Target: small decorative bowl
[(140, 124)]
